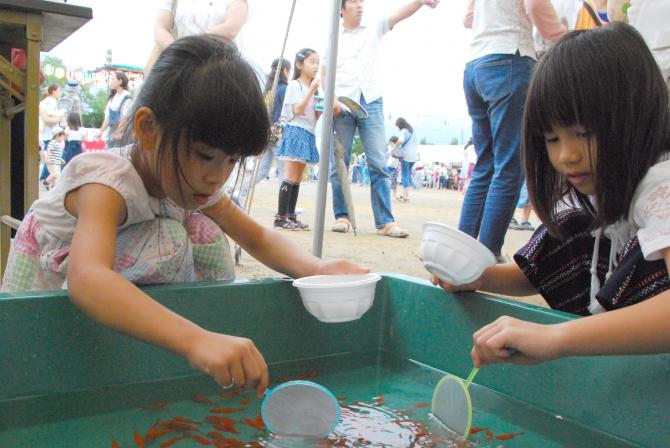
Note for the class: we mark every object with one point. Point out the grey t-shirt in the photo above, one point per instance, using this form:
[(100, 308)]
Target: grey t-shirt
[(295, 92)]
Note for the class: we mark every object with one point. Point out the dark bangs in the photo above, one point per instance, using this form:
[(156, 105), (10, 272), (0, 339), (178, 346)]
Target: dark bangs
[(225, 109), (606, 81), (201, 90)]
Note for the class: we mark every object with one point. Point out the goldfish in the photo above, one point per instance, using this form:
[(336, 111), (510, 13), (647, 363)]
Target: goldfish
[(509, 436)]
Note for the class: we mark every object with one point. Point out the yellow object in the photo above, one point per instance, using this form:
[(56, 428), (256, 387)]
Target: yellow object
[(588, 16)]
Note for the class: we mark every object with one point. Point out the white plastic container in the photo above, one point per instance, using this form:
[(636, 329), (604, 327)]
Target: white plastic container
[(337, 298), (453, 256)]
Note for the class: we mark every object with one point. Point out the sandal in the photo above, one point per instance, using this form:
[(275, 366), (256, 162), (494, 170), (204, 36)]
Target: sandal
[(393, 230), (342, 225)]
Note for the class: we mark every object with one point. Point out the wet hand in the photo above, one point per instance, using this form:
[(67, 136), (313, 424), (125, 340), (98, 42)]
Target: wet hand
[(448, 287), (510, 340), (230, 360), (339, 267)]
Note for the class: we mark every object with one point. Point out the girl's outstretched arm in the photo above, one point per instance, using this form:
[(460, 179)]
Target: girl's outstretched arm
[(635, 330), (272, 248), (506, 279), (115, 302)]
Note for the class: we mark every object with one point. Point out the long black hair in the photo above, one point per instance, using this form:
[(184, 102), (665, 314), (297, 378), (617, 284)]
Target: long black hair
[(300, 59), (401, 123), (606, 81), (285, 65), (124, 83), (201, 90)]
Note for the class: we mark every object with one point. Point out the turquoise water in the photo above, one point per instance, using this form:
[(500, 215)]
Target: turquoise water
[(384, 404)]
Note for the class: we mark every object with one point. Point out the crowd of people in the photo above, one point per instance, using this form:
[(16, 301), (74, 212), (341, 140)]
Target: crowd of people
[(587, 125)]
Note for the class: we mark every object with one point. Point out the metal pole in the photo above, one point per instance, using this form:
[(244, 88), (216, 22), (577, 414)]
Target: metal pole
[(326, 132)]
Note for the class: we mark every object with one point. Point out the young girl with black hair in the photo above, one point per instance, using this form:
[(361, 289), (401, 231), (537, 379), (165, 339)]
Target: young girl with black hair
[(597, 155), (74, 137), (298, 143), (156, 211)]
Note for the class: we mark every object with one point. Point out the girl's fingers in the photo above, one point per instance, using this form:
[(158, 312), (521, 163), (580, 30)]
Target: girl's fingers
[(262, 384), (239, 375), (223, 377)]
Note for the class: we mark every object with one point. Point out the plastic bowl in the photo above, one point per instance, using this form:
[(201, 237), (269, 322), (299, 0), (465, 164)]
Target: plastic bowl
[(453, 256), (337, 298)]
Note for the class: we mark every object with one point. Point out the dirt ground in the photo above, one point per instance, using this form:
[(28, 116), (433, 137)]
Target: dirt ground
[(379, 253)]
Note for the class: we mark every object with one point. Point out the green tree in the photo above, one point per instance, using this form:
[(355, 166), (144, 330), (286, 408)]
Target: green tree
[(357, 147), (52, 66), (454, 141), (93, 106), (424, 141)]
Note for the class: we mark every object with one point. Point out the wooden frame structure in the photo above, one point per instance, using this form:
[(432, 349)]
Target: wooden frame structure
[(32, 26)]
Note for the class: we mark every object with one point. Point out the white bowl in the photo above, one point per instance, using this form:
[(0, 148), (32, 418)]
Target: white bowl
[(453, 256), (337, 298)]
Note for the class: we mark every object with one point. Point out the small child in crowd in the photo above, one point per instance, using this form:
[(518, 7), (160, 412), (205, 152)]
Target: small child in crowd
[(74, 137), (156, 211), (54, 156), (597, 155), (298, 143)]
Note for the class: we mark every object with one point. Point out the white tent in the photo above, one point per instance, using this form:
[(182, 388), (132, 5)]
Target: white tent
[(441, 153)]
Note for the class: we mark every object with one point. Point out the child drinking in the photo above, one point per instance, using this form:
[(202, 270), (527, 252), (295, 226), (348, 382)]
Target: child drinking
[(298, 143), (597, 155), (155, 211)]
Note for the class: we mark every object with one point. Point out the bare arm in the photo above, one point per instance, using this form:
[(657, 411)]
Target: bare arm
[(271, 247), (163, 29), (104, 126), (504, 279), (408, 9), (110, 299), (236, 17), (299, 108), (638, 329), (338, 107), (543, 15), (469, 14)]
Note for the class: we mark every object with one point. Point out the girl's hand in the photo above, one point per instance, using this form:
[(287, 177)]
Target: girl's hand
[(314, 85), (516, 341), (430, 3), (230, 360), (448, 287), (339, 267)]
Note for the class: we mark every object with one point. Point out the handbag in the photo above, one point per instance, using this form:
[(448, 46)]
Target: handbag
[(156, 50), (399, 151)]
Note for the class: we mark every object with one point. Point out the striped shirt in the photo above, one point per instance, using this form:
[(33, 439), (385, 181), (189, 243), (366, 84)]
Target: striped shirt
[(55, 151)]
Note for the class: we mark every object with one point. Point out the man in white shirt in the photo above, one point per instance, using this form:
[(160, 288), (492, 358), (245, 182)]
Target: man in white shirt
[(359, 78)]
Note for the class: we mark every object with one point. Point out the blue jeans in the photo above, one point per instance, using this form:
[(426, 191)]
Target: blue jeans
[(371, 130), (406, 171), (495, 90)]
